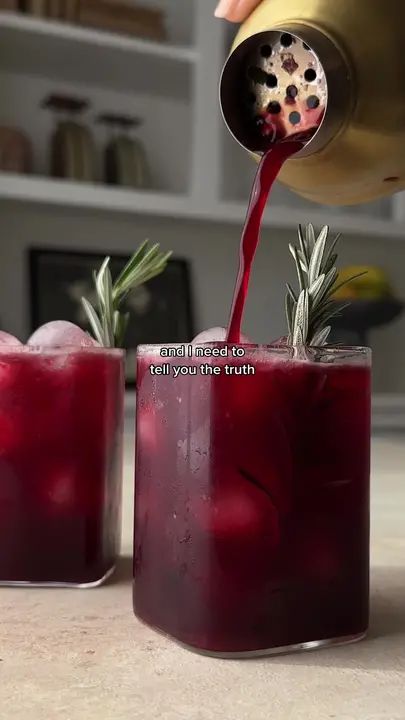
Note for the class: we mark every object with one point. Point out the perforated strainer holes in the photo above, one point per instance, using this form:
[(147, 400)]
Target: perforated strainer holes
[(310, 75), (292, 92), (286, 40), (274, 108), (282, 97), (258, 75), (313, 102), (265, 51), (271, 81), (294, 118)]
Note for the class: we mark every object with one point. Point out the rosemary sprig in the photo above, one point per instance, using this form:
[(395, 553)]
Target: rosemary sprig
[(311, 308), (106, 320)]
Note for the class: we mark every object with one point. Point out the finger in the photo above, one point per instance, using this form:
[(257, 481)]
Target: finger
[(225, 7), (236, 10)]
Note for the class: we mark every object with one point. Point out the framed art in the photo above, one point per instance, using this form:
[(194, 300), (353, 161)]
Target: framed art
[(160, 311)]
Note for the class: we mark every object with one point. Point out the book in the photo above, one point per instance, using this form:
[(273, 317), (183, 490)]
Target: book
[(55, 9), (71, 10), (9, 5), (122, 18), (36, 7)]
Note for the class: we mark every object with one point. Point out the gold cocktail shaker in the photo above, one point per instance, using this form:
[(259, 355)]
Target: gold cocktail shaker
[(335, 69)]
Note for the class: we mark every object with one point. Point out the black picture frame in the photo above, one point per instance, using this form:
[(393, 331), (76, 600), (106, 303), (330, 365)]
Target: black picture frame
[(161, 311)]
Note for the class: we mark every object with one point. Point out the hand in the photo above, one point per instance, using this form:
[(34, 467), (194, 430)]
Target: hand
[(236, 10)]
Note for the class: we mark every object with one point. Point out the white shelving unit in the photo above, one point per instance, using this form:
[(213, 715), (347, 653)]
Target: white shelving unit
[(80, 197), (199, 171), (56, 50)]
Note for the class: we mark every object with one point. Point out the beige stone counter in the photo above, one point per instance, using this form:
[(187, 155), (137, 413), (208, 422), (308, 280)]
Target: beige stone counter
[(73, 655)]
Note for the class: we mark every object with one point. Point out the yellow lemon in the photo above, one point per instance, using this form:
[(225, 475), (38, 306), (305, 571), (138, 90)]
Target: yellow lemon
[(373, 285)]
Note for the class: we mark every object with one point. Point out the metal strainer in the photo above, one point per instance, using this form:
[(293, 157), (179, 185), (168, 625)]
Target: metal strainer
[(274, 86), (286, 90)]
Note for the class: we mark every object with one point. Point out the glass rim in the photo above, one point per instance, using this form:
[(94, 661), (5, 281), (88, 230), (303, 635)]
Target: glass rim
[(59, 350), (326, 349)]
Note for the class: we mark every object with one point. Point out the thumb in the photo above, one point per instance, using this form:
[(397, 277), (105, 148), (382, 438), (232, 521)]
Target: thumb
[(236, 10)]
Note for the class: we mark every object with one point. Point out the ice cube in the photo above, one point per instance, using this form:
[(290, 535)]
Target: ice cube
[(217, 334), (234, 512), (7, 339), (147, 430), (61, 492), (11, 372), (60, 333), (318, 554), (239, 511), (11, 434), (60, 489)]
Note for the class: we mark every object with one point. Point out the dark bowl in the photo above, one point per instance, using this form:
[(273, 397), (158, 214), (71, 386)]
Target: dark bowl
[(362, 315)]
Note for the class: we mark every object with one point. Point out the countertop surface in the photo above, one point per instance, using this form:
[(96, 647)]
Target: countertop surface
[(73, 654)]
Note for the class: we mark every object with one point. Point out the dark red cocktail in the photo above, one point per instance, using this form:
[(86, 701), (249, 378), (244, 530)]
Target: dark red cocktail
[(252, 500), (61, 426)]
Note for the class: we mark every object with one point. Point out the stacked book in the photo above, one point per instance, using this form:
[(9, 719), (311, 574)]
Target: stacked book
[(56, 9), (112, 15), (9, 5), (122, 17)]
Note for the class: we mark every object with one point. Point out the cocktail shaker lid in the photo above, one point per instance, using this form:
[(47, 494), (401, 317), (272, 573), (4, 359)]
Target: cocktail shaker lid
[(285, 84)]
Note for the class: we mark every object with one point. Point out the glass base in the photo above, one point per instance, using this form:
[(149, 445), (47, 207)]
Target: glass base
[(80, 586), (284, 650)]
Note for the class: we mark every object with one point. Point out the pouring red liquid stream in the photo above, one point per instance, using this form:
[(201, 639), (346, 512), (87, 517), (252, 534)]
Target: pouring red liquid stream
[(269, 168)]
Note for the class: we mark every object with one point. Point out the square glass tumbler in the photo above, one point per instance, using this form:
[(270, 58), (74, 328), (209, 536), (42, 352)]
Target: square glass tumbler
[(61, 433), (252, 500)]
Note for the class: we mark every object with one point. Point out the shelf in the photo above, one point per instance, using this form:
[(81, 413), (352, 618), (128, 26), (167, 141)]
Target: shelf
[(290, 217), (72, 53), (76, 196)]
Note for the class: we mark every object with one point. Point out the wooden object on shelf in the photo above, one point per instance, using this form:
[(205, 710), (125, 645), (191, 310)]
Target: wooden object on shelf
[(12, 5), (122, 18), (15, 151)]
